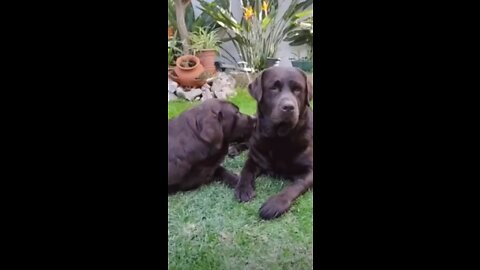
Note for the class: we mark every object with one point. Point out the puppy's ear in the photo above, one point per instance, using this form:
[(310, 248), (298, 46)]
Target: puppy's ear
[(309, 88), (255, 88), (209, 127)]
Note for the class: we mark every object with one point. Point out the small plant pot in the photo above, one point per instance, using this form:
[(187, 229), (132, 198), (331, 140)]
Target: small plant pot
[(188, 75), (305, 65), (272, 62), (207, 59), (171, 32)]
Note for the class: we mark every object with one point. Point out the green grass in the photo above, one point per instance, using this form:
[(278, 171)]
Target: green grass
[(243, 100), (178, 106), (208, 229)]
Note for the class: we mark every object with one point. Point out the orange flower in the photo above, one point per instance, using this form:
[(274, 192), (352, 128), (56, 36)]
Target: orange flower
[(248, 13), (264, 6)]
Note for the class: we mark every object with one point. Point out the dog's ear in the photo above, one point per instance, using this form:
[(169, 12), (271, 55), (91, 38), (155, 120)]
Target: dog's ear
[(309, 88), (309, 91), (255, 88), (209, 126)]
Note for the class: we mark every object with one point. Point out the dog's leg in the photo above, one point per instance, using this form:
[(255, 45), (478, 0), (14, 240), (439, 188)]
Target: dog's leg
[(237, 149), (280, 203), (245, 189), (226, 177)]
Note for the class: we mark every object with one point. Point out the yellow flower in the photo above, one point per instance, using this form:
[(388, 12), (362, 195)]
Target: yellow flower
[(264, 6), (248, 13)]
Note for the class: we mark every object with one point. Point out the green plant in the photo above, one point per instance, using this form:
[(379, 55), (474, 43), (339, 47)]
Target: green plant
[(174, 50), (189, 22), (262, 28), (170, 56), (303, 34), (202, 39)]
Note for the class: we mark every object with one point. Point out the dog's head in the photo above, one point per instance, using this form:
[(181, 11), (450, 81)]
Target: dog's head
[(282, 94), (219, 122)]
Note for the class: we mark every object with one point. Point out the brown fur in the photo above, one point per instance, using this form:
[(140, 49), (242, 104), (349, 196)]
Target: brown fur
[(198, 141), (282, 144)]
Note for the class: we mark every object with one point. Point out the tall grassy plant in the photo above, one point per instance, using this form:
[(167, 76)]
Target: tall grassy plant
[(303, 34), (261, 30), (202, 39)]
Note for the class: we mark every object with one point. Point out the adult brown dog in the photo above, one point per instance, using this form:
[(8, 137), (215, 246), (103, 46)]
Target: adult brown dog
[(282, 144), (198, 142)]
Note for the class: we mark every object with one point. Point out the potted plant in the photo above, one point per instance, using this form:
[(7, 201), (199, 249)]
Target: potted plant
[(272, 62), (171, 32), (188, 71), (258, 34), (304, 63), (205, 45), (303, 35)]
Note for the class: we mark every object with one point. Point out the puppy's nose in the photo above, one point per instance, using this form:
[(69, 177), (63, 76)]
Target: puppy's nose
[(287, 107)]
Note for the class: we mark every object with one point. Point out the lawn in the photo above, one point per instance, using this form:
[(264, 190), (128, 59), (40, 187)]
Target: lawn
[(208, 229)]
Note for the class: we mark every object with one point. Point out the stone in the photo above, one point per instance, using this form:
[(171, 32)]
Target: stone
[(223, 86), (180, 92), (206, 86), (223, 80), (242, 79), (172, 96), (206, 94), (220, 95), (172, 86), (230, 92), (192, 94)]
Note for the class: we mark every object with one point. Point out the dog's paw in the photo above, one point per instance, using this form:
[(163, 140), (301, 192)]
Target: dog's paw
[(231, 180), (244, 193), (274, 207)]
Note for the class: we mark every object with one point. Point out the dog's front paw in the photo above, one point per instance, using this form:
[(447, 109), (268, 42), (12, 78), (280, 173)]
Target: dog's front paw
[(231, 180), (274, 207), (244, 193)]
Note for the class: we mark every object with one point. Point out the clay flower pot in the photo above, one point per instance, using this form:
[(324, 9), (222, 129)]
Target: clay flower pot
[(170, 32), (207, 59), (188, 75)]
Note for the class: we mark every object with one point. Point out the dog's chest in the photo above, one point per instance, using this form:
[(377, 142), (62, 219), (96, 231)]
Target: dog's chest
[(278, 157)]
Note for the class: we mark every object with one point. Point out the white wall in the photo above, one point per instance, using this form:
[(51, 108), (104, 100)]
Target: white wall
[(284, 51)]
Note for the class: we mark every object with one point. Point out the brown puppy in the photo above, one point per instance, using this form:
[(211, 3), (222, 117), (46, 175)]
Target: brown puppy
[(198, 142), (282, 144)]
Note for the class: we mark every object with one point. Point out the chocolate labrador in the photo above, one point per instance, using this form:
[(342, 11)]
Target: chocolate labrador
[(282, 144), (198, 141)]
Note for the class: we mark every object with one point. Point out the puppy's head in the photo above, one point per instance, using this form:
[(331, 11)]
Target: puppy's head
[(282, 94), (220, 122)]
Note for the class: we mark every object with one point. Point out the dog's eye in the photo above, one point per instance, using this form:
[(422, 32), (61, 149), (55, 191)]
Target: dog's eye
[(274, 89), (297, 90)]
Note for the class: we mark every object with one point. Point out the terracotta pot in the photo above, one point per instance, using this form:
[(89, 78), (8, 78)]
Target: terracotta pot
[(207, 59), (188, 76), (170, 32)]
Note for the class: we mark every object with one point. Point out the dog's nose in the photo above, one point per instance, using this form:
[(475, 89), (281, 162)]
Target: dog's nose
[(287, 107)]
